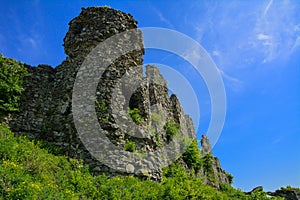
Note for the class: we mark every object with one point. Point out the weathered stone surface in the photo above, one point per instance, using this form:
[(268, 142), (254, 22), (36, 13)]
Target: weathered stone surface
[(46, 108), (217, 175), (205, 144), (287, 194)]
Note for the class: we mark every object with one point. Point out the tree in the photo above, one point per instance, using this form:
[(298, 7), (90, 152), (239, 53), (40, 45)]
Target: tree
[(12, 75)]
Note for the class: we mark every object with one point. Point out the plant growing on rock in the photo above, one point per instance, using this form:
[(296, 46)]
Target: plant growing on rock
[(172, 129), (130, 146), (135, 115), (192, 156)]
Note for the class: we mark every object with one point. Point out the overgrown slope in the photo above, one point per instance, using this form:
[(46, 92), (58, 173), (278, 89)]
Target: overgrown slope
[(28, 171)]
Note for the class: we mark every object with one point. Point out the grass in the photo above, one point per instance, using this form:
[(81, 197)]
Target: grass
[(27, 171)]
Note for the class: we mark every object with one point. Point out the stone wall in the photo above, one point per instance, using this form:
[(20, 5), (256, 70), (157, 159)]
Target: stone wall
[(46, 108)]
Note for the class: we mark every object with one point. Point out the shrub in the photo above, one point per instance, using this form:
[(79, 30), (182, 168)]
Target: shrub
[(130, 146), (206, 162), (12, 74), (229, 177), (135, 115), (192, 156), (172, 129)]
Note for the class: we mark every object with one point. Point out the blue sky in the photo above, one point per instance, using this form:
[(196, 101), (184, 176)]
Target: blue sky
[(255, 44)]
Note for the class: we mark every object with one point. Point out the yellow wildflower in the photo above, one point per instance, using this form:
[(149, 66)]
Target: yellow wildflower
[(35, 186)]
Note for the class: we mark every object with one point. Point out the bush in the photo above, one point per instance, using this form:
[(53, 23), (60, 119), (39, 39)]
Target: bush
[(135, 115), (172, 129), (12, 74), (229, 177), (130, 146), (192, 156)]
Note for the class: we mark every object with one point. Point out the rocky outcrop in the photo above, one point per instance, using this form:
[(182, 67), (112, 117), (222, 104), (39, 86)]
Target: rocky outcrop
[(256, 189), (123, 94), (286, 193), (214, 175), (205, 144)]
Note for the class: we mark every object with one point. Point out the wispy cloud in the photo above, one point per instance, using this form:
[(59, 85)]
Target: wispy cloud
[(296, 43), (192, 55), (235, 84), (162, 18), (262, 36), (28, 35), (268, 7), (276, 31), (241, 34)]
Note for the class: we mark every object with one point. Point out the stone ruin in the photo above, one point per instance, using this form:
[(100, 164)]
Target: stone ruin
[(46, 106)]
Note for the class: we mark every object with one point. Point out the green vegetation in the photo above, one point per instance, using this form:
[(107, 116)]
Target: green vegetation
[(12, 74), (229, 177), (290, 188), (101, 109), (172, 129), (135, 115), (101, 106), (130, 146), (28, 171), (206, 162), (192, 156)]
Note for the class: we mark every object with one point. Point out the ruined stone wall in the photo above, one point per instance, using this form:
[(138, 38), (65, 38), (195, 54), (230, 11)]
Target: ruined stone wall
[(46, 108)]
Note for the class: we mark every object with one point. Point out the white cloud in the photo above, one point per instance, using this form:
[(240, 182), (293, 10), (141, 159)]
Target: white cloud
[(263, 37), (216, 53)]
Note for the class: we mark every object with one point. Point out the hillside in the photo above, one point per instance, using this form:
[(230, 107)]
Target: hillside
[(30, 170)]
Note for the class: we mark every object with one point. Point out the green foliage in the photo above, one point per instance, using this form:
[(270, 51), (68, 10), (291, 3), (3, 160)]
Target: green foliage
[(101, 107), (207, 163), (29, 172), (290, 188), (130, 146), (175, 170), (192, 156), (135, 115), (229, 177), (12, 74), (172, 129), (194, 159), (49, 147), (261, 195)]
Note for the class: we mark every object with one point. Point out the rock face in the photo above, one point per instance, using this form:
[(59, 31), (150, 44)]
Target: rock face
[(46, 108), (287, 194), (205, 144)]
